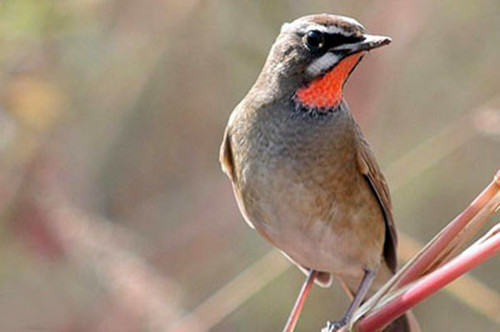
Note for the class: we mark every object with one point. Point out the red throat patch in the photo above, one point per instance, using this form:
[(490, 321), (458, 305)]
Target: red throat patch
[(326, 91)]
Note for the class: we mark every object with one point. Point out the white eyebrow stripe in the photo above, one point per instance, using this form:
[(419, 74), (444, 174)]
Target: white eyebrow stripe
[(332, 29), (329, 29), (352, 21), (304, 27), (321, 64)]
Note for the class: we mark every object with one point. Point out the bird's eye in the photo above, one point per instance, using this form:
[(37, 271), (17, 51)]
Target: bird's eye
[(314, 40)]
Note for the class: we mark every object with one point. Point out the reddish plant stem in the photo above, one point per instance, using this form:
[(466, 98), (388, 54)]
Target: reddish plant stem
[(299, 303), (448, 234), (430, 284)]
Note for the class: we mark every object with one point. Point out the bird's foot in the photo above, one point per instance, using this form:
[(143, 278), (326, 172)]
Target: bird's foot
[(332, 326)]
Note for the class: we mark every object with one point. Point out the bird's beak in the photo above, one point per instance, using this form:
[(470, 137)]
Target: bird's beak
[(368, 43)]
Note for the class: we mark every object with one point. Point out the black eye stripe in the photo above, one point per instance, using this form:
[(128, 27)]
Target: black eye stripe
[(319, 42), (336, 39)]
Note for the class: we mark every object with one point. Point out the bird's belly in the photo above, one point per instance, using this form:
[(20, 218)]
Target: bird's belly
[(317, 226), (319, 249)]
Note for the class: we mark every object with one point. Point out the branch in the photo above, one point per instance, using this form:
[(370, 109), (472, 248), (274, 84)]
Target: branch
[(432, 283), (436, 251), (433, 262)]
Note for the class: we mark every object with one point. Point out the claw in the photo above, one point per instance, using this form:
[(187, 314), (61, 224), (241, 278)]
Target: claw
[(332, 326)]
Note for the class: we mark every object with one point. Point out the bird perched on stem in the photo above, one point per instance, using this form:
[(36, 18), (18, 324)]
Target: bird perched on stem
[(303, 174)]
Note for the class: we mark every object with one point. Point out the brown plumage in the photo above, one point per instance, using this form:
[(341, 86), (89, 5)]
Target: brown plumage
[(304, 176)]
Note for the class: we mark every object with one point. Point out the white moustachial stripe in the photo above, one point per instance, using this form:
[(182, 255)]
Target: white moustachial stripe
[(322, 64)]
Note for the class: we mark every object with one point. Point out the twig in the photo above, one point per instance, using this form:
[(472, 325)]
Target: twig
[(446, 237), (299, 304), (482, 250), (467, 289), (476, 214)]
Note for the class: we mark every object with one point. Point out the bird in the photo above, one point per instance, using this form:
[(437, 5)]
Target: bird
[(303, 174)]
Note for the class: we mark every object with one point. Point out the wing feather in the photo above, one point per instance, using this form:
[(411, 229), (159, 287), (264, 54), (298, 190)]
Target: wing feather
[(369, 168)]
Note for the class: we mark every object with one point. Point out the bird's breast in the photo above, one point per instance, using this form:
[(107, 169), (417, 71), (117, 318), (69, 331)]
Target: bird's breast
[(301, 190)]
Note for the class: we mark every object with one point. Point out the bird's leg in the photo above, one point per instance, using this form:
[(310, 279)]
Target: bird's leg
[(299, 303), (364, 286)]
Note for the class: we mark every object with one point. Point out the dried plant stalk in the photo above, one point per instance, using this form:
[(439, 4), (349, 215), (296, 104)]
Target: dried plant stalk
[(434, 260), (483, 249), (445, 240)]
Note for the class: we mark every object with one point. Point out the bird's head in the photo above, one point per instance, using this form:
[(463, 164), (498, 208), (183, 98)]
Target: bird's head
[(313, 57)]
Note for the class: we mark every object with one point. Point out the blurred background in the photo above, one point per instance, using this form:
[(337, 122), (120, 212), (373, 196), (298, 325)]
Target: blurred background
[(114, 214)]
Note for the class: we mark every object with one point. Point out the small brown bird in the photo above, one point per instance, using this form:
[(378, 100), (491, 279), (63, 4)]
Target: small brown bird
[(302, 172)]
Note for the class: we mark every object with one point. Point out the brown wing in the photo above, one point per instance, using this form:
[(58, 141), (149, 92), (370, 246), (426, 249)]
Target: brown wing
[(227, 162), (369, 168)]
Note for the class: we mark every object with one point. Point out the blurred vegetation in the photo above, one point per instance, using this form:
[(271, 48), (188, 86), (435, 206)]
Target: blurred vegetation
[(114, 213)]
